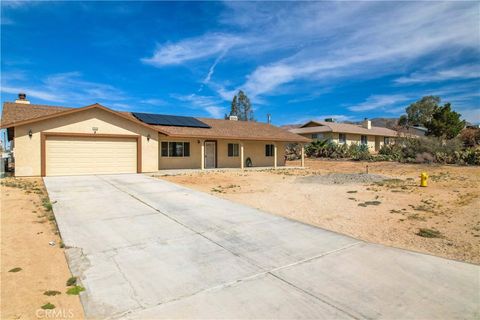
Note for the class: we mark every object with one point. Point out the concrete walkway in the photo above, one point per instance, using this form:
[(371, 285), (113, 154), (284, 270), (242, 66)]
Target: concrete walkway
[(147, 249)]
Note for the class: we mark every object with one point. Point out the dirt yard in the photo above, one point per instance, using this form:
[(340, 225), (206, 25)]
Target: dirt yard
[(386, 206), (33, 272)]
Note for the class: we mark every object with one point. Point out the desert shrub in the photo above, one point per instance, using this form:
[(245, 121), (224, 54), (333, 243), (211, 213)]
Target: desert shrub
[(359, 152), (293, 151), (71, 281), (390, 152), (417, 150), (470, 137), (470, 156)]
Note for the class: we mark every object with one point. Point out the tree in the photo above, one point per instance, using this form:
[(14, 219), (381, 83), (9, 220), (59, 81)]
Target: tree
[(241, 107), (444, 123), (233, 108), (421, 111), (403, 120)]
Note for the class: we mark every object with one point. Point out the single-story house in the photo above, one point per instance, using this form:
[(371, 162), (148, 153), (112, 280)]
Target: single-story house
[(52, 140), (373, 137)]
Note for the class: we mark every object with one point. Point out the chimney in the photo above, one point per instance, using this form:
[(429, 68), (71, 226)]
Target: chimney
[(233, 118), (367, 124), (22, 98)]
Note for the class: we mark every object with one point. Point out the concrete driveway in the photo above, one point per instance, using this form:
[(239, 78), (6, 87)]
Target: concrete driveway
[(146, 248)]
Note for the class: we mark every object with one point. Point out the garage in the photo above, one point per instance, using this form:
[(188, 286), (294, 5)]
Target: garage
[(79, 154)]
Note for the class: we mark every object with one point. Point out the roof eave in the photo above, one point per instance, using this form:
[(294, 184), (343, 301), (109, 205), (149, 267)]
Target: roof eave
[(305, 140)]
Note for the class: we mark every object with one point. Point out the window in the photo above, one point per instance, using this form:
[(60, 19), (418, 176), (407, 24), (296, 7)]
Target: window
[(386, 140), (233, 149), (269, 150), (175, 149), (342, 138), (364, 139), (317, 136)]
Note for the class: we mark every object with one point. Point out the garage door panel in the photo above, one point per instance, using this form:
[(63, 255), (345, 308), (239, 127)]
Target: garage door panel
[(90, 155)]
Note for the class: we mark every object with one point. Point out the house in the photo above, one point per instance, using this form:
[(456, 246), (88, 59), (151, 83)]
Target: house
[(414, 131), (52, 140), (373, 137)]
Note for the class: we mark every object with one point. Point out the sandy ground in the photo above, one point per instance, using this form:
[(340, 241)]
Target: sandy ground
[(25, 235), (390, 212)]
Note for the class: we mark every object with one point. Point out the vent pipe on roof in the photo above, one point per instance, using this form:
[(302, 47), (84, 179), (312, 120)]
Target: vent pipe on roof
[(367, 124), (22, 98), (269, 118)]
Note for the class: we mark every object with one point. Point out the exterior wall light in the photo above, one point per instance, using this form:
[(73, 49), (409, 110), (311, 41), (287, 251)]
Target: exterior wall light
[(30, 133), (148, 137)]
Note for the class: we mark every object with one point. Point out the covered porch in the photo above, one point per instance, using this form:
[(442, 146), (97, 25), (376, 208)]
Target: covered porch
[(204, 154)]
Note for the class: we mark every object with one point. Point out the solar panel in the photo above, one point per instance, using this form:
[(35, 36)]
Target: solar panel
[(167, 120)]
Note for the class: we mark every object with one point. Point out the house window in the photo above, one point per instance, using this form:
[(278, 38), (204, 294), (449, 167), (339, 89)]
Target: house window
[(233, 149), (314, 135), (175, 149), (386, 140), (342, 138), (364, 139), (269, 150)]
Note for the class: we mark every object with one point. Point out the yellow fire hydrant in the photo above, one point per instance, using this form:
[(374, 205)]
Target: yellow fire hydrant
[(423, 179)]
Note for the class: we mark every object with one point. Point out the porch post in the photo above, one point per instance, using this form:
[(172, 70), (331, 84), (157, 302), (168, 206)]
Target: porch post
[(242, 160), (202, 154), (303, 155), (275, 155)]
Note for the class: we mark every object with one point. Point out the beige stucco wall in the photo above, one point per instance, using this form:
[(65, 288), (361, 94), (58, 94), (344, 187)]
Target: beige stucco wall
[(253, 149), (191, 162), (27, 150)]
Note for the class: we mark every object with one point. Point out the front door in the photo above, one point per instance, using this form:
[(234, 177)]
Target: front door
[(210, 154)]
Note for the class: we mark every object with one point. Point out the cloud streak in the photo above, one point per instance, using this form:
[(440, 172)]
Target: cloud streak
[(463, 72), (192, 49), (67, 87), (375, 102)]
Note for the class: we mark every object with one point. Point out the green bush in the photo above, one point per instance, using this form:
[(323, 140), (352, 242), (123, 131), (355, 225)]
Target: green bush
[(359, 152)]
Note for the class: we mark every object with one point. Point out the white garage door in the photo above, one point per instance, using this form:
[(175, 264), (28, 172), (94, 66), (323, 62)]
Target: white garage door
[(90, 155)]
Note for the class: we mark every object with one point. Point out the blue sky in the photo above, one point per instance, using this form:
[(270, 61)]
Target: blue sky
[(296, 61)]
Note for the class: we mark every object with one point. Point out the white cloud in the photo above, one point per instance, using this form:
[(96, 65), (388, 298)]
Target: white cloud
[(154, 102), (43, 95), (463, 72), (68, 88), (472, 115), (212, 67), (379, 39), (216, 112), (192, 49), (207, 103), (383, 102)]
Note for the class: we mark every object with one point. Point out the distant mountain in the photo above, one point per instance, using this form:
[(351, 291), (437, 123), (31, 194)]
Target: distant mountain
[(290, 126), (382, 122)]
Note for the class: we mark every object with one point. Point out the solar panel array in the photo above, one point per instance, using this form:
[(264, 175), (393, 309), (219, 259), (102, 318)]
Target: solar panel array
[(167, 120)]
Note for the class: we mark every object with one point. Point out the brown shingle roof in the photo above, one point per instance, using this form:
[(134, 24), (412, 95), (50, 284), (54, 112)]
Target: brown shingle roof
[(346, 128), (229, 129), (14, 113)]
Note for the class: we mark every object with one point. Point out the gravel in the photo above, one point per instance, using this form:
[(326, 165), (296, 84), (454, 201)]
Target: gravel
[(342, 178)]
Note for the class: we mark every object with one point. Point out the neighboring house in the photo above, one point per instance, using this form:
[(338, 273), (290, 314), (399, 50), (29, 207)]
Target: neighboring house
[(415, 131), (49, 140), (373, 137)]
